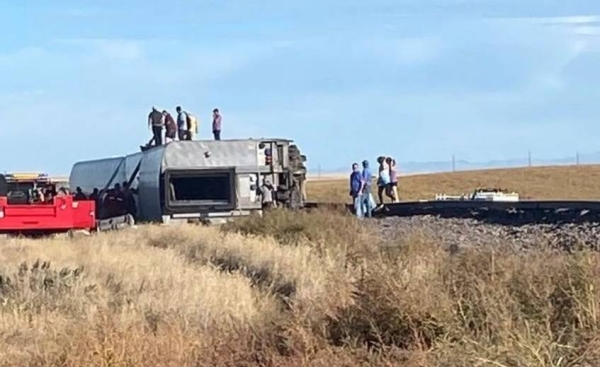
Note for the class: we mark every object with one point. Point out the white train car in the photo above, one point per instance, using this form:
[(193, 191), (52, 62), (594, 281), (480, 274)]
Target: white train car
[(197, 179)]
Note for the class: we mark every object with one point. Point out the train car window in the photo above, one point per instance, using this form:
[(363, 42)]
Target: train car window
[(200, 188), (3, 186), (192, 190), (18, 193)]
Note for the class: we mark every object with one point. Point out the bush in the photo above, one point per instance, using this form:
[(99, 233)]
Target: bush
[(293, 289)]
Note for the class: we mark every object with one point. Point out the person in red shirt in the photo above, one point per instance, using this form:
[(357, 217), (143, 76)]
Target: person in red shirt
[(171, 127)]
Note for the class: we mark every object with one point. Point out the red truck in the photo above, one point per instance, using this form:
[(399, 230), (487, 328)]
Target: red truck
[(20, 215)]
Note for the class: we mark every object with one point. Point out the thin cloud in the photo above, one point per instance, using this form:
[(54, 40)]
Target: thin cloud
[(581, 25), (588, 25), (557, 20), (79, 12), (570, 20), (571, 37), (120, 49), (21, 55), (405, 51), (587, 31)]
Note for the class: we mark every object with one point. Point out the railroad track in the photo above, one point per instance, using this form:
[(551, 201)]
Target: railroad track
[(506, 213)]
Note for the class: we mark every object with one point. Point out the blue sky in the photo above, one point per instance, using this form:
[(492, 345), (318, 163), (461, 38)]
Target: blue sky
[(419, 80)]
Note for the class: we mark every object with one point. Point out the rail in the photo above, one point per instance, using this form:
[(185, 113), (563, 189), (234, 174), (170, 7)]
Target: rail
[(513, 213)]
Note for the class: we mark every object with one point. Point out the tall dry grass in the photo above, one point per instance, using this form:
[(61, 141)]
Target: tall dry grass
[(292, 289)]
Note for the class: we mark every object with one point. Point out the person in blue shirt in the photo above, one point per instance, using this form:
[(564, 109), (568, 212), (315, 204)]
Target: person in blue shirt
[(366, 197), (182, 127), (356, 187)]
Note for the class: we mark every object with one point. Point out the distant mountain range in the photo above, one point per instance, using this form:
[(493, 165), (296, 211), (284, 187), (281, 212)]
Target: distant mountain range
[(464, 165)]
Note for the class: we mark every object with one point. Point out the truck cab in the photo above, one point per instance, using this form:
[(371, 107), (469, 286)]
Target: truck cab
[(21, 187)]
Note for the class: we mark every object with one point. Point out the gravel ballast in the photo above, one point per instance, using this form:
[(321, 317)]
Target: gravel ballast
[(454, 232)]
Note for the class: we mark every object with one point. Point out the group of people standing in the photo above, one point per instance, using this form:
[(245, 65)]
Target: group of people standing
[(387, 181), (46, 195), (184, 127), (361, 185), (111, 202)]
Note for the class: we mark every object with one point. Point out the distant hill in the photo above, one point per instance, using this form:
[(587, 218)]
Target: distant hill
[(413, 167)]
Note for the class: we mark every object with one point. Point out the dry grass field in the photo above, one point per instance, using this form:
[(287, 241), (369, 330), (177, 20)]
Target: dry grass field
[(300, 289), (558, 182)]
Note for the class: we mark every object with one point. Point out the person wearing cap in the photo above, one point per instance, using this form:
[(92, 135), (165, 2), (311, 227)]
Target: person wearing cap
[(156, 122), (216, 125)]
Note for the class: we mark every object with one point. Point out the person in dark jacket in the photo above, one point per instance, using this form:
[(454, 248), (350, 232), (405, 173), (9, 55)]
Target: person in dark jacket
[(127, 195), (79, 195), (95, 194), (356, 187), (216, 124)]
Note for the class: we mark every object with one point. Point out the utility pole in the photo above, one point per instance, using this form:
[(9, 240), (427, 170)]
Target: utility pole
[(529, 158)]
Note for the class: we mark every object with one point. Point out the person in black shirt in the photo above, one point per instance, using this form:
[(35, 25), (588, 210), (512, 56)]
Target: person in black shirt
[(95, 194), (79, 195), (128, 198), (50, 194)]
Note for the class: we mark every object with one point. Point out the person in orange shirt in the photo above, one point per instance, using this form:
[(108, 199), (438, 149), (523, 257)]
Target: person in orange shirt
[(192, 126)]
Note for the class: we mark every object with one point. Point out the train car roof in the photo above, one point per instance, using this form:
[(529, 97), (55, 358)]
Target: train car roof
[(188, 154), (187, 146)]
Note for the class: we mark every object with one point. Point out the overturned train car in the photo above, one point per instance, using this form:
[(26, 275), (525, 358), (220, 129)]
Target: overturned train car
[(183, 180)]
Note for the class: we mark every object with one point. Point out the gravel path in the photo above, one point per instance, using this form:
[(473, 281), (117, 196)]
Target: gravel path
[(469, 232)]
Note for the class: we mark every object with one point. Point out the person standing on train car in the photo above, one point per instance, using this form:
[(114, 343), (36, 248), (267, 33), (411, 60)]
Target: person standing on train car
[(182, 123), (216, 124), (192, 126), (156, 121), (170, 127)]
